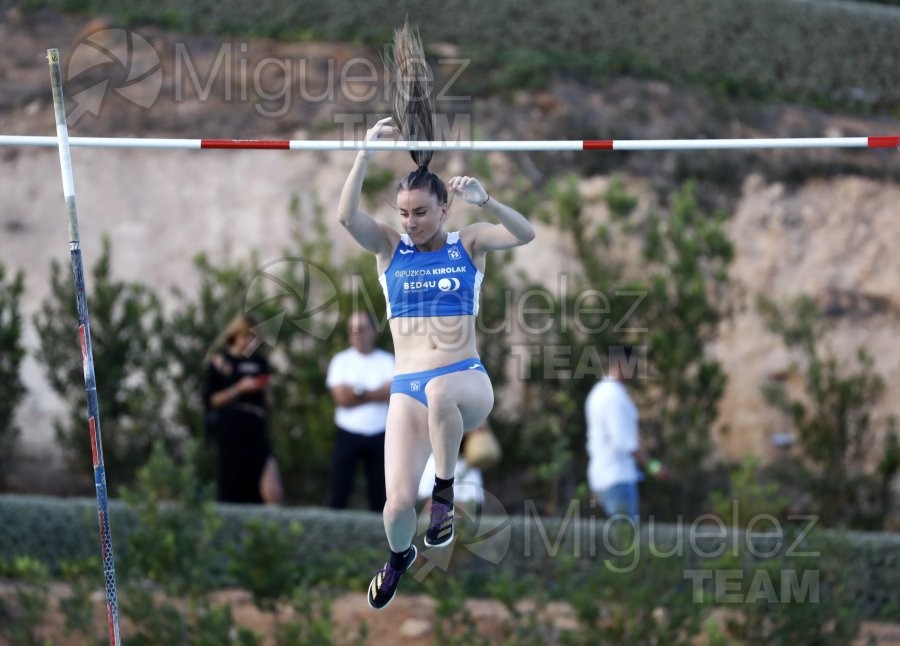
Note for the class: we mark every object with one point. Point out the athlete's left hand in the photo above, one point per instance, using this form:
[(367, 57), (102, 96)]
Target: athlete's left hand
[(468, 188)]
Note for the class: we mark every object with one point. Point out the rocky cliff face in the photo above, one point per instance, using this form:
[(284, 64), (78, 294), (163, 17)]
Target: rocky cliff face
[(834, 240), (821, 223)]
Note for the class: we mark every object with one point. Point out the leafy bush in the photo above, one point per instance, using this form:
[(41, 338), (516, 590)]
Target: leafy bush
[(801, 592), (11, 354), (21, 623), (258, 562), (687, 295), (647, 588), (176, 527), (125, 320), (186, 338), (748, 498), (786, 580), (77, 606), (671, 307), (174, 554), (833, 420)]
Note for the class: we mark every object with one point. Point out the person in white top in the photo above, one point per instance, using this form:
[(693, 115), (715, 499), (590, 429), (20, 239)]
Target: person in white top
[(613, 444), (359, 379)]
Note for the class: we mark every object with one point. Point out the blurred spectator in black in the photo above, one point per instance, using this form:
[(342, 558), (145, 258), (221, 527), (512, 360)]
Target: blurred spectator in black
[(238, 399)]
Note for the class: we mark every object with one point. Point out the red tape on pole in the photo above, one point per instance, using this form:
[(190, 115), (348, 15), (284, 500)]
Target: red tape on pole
[(884, 142), (248, 144)]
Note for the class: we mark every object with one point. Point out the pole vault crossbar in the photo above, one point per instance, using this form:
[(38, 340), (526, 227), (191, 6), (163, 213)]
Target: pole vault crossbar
[(483, 146)]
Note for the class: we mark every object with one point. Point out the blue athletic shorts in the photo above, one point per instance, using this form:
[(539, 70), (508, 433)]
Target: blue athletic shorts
[(413, 383)]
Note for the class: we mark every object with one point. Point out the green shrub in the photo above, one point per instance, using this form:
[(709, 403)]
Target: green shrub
[(176, 526), (575, 559), (11, 355), (786, 581), (21, 623), (125, 319), (747, 497), (671, 307), (802, 592), (619, 202), (833, 420), (313, 623), (195, 322), (257, 564), (76, 606), (688, 254)]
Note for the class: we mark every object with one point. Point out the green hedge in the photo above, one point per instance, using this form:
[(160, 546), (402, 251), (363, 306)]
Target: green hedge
[(809, 50), (59, 530), (853, 570)]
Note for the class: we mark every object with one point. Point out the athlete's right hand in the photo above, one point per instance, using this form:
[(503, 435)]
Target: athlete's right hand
[(382, 127)]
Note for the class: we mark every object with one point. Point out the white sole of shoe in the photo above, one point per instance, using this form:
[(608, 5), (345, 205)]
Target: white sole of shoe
[(443, 543)]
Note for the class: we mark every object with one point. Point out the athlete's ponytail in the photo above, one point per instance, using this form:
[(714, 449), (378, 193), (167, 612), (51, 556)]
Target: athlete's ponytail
[(412, 103)]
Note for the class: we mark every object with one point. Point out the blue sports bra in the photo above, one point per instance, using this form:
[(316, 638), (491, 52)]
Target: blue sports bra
[(431, 283)]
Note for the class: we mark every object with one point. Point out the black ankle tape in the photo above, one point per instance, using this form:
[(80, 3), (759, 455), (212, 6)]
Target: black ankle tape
[(398, 559), (443, 490)]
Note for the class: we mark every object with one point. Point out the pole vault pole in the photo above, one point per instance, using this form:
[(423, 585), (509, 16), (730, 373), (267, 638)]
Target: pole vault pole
[(481, 146), (87, 355)]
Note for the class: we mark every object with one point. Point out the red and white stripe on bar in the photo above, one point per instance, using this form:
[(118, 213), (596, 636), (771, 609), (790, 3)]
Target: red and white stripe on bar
[(506, 146), (737, 144)]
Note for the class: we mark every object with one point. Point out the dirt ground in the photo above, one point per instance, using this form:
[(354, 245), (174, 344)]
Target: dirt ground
[(410, 620)]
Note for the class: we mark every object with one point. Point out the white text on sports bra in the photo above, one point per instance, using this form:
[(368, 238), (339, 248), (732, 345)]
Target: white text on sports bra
[(437, 271)]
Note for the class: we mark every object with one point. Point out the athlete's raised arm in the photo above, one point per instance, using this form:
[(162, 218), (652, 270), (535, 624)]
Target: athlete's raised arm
[(513, 229), (375, 236)]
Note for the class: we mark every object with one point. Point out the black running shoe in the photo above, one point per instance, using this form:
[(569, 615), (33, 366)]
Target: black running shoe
[(385, 582), (440, 529)]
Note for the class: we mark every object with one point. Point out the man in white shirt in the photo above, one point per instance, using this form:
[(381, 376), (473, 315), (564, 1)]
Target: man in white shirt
[(612, 442), (359, 379)]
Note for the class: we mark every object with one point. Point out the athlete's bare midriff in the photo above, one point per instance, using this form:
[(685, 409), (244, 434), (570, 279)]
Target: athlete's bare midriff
[(426, 343)]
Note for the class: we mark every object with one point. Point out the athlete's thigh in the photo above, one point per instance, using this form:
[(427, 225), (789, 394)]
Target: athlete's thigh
[(470, 390), (406, 444)]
